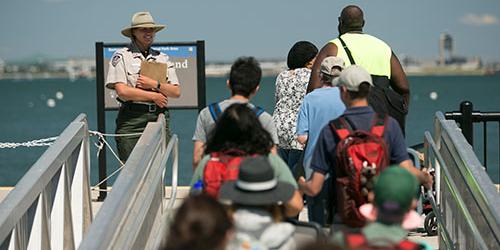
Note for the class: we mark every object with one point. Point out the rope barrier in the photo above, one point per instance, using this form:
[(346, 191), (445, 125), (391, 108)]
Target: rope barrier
[(34, 143), (92, 132), (99, 145)]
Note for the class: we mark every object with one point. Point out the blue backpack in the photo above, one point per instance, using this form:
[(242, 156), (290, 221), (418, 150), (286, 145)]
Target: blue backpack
[(216, 112)]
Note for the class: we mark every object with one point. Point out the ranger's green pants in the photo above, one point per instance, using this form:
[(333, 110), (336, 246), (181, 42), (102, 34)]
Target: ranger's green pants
[(129, 122)]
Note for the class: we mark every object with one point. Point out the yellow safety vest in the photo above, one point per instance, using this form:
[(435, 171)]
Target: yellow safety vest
[(367, 51)]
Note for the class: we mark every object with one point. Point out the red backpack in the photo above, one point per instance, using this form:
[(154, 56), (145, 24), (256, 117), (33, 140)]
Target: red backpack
[(220, 168), (357, 241), (360, 155)]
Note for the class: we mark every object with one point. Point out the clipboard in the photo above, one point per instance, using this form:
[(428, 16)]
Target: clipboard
[(154, 70)]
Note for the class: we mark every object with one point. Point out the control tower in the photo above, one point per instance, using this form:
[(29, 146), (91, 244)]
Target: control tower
[(445, 48)]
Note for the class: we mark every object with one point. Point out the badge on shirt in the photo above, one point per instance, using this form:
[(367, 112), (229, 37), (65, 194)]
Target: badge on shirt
[(116, 59)]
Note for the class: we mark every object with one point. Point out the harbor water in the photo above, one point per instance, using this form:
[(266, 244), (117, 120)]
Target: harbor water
[(41, 108)]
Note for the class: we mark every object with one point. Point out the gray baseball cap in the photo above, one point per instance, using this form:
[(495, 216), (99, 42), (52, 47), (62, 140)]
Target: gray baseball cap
[(352, 76), (328, 64)]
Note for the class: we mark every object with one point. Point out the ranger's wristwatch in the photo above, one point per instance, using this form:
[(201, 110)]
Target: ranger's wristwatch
[(158, 85)]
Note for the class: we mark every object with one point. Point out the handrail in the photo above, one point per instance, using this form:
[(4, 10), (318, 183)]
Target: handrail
[(132, 213), (173, 145), (468, 201), (161, 227), (431, 145), (466, 117), (416, 162), (50, 207)]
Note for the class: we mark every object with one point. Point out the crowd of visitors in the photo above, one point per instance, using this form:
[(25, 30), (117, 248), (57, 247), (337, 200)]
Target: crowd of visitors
[(339, 146)]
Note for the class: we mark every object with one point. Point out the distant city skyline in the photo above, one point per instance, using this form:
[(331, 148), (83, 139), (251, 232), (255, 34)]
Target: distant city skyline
[(264, 29)]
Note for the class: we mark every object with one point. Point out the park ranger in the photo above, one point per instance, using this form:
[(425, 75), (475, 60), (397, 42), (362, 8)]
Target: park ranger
[(142, 97)]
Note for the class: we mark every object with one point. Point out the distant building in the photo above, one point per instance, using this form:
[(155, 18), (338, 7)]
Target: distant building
[(448, 63), (2, 66), (445, 48)]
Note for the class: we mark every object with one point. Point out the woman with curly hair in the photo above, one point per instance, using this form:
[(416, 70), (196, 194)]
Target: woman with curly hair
[(239, 134), (291, 86)]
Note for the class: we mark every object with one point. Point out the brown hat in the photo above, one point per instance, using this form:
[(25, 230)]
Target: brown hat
[(142, 20)]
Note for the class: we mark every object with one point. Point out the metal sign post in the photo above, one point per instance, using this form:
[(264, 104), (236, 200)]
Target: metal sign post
[(189, 61)]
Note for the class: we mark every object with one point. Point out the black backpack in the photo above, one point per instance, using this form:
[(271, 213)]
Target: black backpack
[(382, 98)]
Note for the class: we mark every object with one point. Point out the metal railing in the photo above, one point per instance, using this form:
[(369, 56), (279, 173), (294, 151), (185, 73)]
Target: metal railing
[(466, 117), (134, 215), (468, 205), (50, 207)]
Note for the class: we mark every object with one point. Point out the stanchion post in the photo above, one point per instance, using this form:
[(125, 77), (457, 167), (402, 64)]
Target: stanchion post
[(466, 121), (101, 118)]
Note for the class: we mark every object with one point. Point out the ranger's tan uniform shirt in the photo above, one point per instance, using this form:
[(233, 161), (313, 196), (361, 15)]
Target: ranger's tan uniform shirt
[(125, 66)]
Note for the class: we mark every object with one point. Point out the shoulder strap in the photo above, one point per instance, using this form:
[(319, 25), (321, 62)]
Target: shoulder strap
[(341, 127), (347, 51), (410, 245), (378, 124), (354, 240), (258, 110), (215, 111)]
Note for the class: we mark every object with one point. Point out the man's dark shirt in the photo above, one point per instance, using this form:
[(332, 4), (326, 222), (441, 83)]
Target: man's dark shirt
[(323, 159)]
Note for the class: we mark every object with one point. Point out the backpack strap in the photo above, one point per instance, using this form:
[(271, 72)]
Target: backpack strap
[(347, 51), (258, 111), (354, 240), (410, 245), (341, 127), (215, 111), (378, 124)]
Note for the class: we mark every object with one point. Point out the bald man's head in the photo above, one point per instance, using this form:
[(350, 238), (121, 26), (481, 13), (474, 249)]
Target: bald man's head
[(351, 19)]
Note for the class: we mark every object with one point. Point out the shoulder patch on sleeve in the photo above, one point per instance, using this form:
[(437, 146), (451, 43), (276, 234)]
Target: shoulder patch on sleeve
[(116, 58), (170, 64)]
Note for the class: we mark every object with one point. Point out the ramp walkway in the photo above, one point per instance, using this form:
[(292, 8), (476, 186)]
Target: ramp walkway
[(51, 206)]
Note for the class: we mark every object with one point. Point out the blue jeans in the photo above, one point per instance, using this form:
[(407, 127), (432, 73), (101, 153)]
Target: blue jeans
[(290, 157), (318, 206)]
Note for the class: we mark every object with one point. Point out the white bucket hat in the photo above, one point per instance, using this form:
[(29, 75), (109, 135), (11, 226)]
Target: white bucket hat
[(142, 20)]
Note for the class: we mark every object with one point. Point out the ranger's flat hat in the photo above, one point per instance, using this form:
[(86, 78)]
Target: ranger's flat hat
[(142, 20)]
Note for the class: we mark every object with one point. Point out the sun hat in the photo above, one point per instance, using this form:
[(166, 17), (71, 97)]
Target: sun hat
[(142, 20), (300, 54), (329, 67), (256, 185), (352, 76), (395, 189), (329, 63)]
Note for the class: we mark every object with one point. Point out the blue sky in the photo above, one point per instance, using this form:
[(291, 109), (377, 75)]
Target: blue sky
[(231, 28)]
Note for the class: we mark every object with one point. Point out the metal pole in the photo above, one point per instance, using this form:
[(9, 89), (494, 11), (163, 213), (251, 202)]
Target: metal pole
[(485, 144), (200, 60), (466, 121), (101, 118)]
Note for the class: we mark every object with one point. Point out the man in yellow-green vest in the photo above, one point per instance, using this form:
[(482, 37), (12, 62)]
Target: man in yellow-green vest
[(391, 92)]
